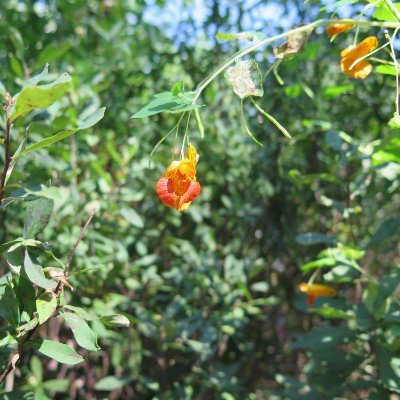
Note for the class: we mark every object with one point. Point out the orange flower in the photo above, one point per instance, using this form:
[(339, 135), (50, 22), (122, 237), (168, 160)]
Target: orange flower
[(178, 187), (336, 29), (314, 290), (352, 53)]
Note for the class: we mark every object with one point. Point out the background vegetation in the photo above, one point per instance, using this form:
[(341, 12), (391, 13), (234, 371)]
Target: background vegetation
[(210, 293)]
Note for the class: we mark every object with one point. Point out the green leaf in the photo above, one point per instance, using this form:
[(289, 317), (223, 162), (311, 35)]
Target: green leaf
[(58, 351), (46, 305), (387, 230), (331, 312), (246, 35), (115, 320), (386, 69), (83, 334), (245, 78), (36, 368), (91, 120), (387, 285), (36, 275), (335, 91), (5, 246), (26, 293), (38, 78), (311, 238), (389, 368), (37, 217), (166, 101), (9, 308), (109, 383), (178, 88), (33, 97), (57, 385), (321, 263), (394, 123), (382, 13), (130, 215)]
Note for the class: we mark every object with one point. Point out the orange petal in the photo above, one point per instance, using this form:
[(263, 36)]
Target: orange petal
[(336, 29)]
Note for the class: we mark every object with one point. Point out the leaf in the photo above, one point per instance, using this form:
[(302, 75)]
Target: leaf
[(115, 320), (386, 69), (58, 351), (33, 97), (321, 263), (331, 312), (5, 246), (387, 230), (382, 13), (178, 88), (57, 385), (36, 275), (389, 368), (109, 383), (37, 217), (394, 123), (9, 308), (38, 78), (335, 91), (387, 285), (294, 44), (130, 215), (311, 238), (166, 101), (245, 79), (83, 334), (91, 120), (46, 305), (26, 293), (246, 35)]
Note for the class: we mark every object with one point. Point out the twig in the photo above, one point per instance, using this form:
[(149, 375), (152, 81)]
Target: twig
[(57, 292)]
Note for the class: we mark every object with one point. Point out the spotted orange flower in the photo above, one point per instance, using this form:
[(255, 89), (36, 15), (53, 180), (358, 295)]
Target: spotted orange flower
[(336, 29), (351, 54), (314, 290), (178, 186)]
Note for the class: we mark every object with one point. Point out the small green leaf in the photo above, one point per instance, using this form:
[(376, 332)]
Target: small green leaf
[(247, 35), (83, 334), (321, 263), (38, 78), (37, 217), (130, 215), (382, 13), (58, 351), (178, 88), (9, 308), (109, 383), (394, 123), (33, 97), (46, 305), (115, 320), (36, 275), (386, 69), (91, 120), (311, 238), (166, 101)]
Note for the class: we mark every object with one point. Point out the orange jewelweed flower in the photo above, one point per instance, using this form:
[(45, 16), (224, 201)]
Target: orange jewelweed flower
[(178, 187), (336, 29), (314, 290), (351, 54)]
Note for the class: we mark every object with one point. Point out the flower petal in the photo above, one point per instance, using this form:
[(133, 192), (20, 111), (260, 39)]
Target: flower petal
[(336, 29)]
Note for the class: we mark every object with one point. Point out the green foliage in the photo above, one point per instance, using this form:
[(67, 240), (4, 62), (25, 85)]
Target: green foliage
[(201, 304)]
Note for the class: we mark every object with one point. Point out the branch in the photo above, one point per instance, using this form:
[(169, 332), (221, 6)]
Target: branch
[(262, 43), (57, 291)]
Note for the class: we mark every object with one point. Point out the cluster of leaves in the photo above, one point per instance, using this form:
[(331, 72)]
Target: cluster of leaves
[(210, 293)]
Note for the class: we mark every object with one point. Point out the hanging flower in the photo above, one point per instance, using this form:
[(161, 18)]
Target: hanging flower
[(178, 187), (336, 29), (351, 54), (314, 290)]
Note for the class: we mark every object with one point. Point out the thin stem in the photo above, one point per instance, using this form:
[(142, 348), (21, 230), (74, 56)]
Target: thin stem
[(7, 153), (185, 135), (393, 9), (267, 41), (367, 55), (393, 55)]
